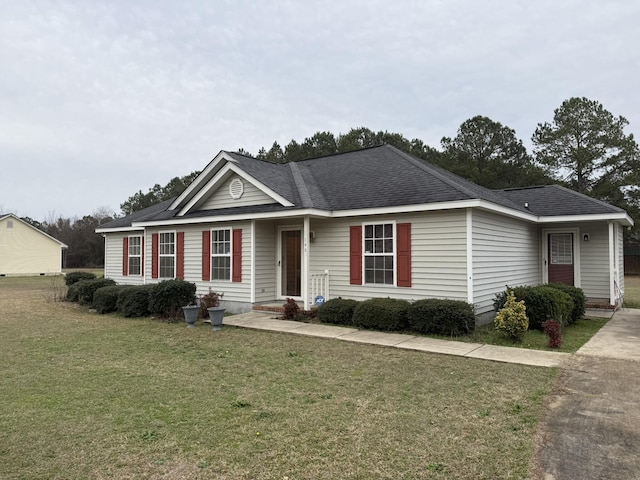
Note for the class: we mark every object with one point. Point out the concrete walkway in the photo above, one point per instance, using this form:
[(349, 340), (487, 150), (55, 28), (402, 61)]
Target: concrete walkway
[(263, 321), (592, 426)]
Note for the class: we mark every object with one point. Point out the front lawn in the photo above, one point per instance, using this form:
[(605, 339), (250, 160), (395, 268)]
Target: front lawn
[(99, 396)]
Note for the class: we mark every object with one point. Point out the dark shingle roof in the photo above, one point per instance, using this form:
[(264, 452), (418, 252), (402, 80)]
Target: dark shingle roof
[(372, 178), (384, 177), (141, 215), (554, 200)]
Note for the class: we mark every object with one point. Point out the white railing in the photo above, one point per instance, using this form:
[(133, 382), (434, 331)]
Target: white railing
[(319, 286)]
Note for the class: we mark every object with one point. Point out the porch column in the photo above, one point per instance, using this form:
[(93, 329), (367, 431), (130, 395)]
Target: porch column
[(612, 265), (253, 262), (306, 232), (469, 227)]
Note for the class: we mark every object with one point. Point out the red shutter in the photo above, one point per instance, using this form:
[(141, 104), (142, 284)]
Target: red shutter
[(180, 255), (355, 255), (403, 243), (125, 256), (206, 255), (236, 260), (154, 255), (142, 255)]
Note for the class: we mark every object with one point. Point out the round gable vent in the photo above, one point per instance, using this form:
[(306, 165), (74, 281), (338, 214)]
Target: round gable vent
[(236, 188)]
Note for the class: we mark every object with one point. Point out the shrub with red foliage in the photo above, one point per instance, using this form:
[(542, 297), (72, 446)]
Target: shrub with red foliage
[(291, 310), (552, 330)]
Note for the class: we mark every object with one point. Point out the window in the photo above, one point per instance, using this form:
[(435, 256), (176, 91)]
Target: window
[(221, 254), (135, 255), (562, 249), (379, 253), (166, 254)]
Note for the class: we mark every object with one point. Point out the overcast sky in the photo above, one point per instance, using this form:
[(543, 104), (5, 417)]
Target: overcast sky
[(100, 99)]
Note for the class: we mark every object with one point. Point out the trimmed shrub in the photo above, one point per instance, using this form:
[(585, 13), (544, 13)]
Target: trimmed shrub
[(512, 318), (74, 277), (441, 317), (578, 297), (105, 299), (337, 310), (167, 298), (134, 301), (382, 314), (561, 305), (73, 292), (82, 291), (542, 302)]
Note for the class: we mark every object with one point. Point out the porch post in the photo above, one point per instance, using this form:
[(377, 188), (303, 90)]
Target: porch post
[(469, 226), (253, 262), (612, 267), (306, 232)]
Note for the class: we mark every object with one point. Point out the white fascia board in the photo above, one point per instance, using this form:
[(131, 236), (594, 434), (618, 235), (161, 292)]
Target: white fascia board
[(219, 178), (213, 164), (313, 212), (429, 207), (623, 218), (232, 218), (119, 229)]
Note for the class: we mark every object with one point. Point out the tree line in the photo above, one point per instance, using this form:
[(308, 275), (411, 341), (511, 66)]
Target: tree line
[(85, 247), (584, 147)]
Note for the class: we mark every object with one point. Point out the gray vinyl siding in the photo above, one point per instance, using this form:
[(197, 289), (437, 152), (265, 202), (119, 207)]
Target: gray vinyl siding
[(438, 244), (505, 252), (113, 259), (265, 261), (233, 291), (594, 260), (222, 199)]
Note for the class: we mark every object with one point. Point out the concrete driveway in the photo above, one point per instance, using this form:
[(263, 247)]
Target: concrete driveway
[(592, 427)]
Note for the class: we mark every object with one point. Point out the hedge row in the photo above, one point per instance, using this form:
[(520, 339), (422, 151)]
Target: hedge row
[(563, 303), (164, 299), (434, 316)]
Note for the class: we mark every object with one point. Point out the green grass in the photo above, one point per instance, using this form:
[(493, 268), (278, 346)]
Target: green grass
[(632, 291), (90, 396), (573, 336)]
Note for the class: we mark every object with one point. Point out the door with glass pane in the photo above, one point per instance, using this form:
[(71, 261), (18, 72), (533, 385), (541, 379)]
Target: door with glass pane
[(561, 259)]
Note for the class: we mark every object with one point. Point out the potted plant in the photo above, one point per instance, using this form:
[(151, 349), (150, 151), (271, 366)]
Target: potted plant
[(191, 315), (211, 303)]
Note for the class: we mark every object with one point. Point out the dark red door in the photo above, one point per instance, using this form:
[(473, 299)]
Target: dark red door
[(561, 258), (291, 263)]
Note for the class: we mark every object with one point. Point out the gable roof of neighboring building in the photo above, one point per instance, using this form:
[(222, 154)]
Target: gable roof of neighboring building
[(367, 179), (15, 217)]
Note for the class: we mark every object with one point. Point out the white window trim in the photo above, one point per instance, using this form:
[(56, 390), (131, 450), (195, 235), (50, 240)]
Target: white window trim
[(130, 256), (395, 255), (217, 255), (165, 255)]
